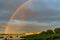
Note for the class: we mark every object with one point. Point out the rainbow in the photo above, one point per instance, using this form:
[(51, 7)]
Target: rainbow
[(17, 10)]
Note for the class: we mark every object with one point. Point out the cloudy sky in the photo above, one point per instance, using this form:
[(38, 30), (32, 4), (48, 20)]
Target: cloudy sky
[(38, 13), (7, 7)]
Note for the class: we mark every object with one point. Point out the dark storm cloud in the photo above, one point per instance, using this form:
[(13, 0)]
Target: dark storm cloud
[(44, 11), (47, 11), (7, 7)]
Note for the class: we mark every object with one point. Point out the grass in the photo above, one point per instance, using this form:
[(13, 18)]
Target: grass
[(43, 37)]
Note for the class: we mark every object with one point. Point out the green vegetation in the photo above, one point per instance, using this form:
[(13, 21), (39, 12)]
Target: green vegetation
[(57, 30), (45, 35)]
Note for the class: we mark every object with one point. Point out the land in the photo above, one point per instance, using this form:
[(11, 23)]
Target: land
[(44, 35)]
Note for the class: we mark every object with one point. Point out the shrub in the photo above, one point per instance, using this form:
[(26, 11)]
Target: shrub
[(57, 30), (43, 32), (50, 31)]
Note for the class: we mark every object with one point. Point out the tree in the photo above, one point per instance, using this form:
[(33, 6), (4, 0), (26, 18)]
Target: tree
[(57, 30), (43, 32), (50, 31)]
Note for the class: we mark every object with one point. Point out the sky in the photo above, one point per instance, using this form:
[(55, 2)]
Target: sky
[(38, 12), (7, 7)]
